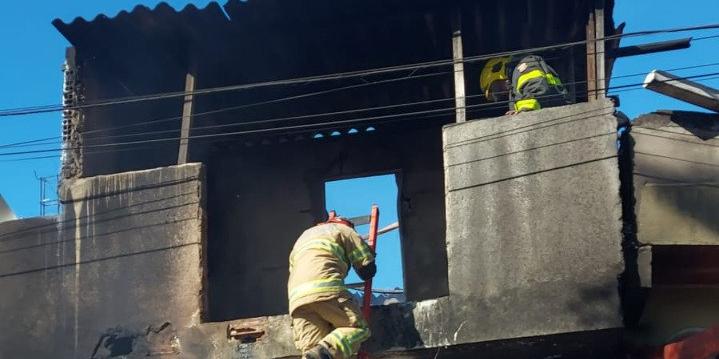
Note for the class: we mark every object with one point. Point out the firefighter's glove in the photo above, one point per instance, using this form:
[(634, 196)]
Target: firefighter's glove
[(367, 272)]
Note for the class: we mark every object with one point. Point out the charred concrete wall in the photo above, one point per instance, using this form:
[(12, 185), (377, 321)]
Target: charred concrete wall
[(119, 273), (676, 178), (534, 243), (534, 223), (533, 213), (675, 197), (30, 298), (261, 198), (134, 244)]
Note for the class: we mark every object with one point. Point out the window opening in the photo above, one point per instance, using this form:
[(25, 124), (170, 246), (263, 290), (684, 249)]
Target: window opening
[(354, 197)]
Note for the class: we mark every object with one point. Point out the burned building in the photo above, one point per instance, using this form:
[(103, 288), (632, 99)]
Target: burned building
[(189, 133)]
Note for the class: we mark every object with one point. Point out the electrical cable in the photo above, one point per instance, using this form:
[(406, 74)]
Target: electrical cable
[(278, 100), (30, 142), (336, 76), (34, 142), (303, 126)]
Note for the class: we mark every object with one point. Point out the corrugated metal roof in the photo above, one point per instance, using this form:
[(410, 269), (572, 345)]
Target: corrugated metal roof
[(149, 50), (141, 19), (488, 26)]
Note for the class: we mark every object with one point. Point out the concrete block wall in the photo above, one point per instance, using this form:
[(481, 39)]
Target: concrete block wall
[(533, 223)]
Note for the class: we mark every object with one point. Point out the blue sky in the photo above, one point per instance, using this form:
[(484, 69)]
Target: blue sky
[(657, 14), (30, 74), (354, 197), (33, 52)]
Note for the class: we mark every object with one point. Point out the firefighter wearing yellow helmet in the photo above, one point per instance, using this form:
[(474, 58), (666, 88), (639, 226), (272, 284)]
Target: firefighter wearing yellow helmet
[(529, 84)]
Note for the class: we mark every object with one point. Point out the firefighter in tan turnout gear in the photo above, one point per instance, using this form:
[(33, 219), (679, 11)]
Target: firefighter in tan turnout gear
[(326, 321)]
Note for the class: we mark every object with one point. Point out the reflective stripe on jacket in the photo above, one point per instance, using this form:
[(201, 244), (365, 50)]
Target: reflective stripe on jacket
[(535, 85), (319, 262)]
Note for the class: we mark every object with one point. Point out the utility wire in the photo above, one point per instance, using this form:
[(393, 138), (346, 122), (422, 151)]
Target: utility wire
[(312, 126), (273, 101), (34, 143), (30, 142), (336, 76), (705, 38), (670, 70)]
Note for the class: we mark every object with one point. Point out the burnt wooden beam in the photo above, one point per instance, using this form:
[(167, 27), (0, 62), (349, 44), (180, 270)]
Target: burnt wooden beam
[(599, 49), (187, 117), (591, 59)]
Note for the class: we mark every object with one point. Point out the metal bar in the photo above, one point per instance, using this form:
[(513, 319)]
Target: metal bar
[(683, 89), (42, 196), (358, 286), (458, 57), (613, 45), (650, 48), (384, 230), (599, 47), (182, 156), (591, 60), (360, 220)]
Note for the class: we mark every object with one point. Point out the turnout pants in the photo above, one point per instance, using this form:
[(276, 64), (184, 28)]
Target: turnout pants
[(336, 324)]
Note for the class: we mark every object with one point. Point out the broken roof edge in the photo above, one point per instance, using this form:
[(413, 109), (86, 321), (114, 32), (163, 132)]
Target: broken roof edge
[(161, 7), (663, 117)]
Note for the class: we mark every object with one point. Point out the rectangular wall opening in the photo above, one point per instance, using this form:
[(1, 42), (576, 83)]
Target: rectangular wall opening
[(261, 197), (354, 197)]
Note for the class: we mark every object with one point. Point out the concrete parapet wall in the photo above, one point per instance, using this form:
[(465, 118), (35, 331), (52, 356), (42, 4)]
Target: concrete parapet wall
[(533, 223)]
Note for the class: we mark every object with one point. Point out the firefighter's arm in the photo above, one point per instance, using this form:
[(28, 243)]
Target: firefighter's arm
[(360, 255)]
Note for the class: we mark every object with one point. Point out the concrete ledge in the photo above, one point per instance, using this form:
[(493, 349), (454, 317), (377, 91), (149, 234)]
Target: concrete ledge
[(511, 147)]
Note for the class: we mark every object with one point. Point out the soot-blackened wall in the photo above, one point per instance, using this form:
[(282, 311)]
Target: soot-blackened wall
[(262, 197)]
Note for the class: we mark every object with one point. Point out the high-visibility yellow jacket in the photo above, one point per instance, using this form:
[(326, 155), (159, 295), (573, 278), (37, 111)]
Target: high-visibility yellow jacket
[(535, 85), (319, 262)]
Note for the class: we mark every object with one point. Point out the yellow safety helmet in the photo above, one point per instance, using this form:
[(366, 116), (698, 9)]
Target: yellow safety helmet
[(494, 70)]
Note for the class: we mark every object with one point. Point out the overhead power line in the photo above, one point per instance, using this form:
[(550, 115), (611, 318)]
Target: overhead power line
[(53, 140), (305, 127), (336, 76)]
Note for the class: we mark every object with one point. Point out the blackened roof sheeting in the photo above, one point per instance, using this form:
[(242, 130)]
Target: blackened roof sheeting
[(161, 29), (143, 18), (150, 50), (500, 24)]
